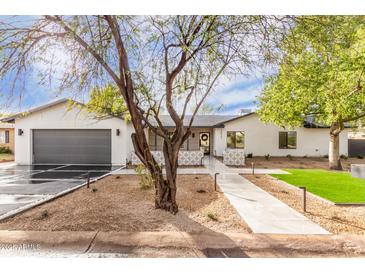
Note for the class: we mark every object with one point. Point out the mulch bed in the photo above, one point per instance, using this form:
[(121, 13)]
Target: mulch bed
[(335, 219)]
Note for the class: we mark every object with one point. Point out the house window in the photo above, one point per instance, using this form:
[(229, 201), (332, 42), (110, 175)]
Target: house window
[(287, 139), (235, 139), (2, 137), (7, 139)]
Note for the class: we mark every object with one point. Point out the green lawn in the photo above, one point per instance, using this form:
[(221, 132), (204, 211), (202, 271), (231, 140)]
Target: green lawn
[(6, 157), (338, 187)]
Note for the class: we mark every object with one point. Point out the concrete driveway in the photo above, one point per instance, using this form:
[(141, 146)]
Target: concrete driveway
[(21, 186)]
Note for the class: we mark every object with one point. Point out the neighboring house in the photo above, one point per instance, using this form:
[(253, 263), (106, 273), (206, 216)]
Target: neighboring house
[(56, 134), (7, 135)]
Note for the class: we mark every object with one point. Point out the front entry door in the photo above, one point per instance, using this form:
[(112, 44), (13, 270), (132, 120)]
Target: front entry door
[(204, 142)]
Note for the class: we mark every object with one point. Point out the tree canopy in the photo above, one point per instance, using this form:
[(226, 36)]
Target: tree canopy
[(322, 73), (107, 101)]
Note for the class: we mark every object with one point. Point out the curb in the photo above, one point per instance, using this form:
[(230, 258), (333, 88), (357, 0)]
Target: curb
[(283, 245)]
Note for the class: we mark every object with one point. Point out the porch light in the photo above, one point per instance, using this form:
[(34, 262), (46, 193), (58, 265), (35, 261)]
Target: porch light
[(20, 132), (118, 132)]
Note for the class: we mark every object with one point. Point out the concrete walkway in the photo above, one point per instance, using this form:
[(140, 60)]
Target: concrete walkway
[(215, 165), (177, 244), (198, 170), (262, 212), (212, 166)]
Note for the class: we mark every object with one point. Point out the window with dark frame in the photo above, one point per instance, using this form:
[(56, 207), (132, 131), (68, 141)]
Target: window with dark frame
[(7, 139), (236, 139), (287, 140)]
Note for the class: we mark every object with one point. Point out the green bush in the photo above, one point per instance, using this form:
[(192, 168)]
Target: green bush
[(359, 156), (5, 150), (267, 157), (344, 157), (249, 155), (146, 181), (212, 216), (289, 157), (44, 215)]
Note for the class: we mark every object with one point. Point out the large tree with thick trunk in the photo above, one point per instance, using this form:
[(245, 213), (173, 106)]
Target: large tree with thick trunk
[(154, 63), (321, 76)]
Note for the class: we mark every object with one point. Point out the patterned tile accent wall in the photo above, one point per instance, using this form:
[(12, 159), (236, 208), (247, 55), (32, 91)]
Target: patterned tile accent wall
[(186, 158), (234, 157)]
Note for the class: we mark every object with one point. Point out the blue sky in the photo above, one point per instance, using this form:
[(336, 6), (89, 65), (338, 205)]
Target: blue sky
[(230, 96), (236, 95)]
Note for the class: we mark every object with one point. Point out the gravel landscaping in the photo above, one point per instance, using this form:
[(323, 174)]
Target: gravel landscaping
[(335, 219), (116, 203), (4, 157)]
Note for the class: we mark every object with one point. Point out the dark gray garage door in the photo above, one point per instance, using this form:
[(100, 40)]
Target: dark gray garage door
[(71, 146), (356, 147)]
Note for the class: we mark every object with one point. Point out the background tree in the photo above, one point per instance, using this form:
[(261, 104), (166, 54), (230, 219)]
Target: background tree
[(321, 75), (107, 101), (171, 61)]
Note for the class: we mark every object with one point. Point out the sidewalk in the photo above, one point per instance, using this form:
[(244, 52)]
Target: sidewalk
[(177, 244), (7, 164), (211, 166), (217, 166), (261, 211)]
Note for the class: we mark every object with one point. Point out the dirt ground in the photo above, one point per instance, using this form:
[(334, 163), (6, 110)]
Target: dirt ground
[(298, 162), (335, 219), (118, 204)]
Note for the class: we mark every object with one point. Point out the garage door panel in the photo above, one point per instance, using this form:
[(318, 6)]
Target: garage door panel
[(63, 146)]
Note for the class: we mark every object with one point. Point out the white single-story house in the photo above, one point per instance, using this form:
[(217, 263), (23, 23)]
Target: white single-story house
[(57, 134)]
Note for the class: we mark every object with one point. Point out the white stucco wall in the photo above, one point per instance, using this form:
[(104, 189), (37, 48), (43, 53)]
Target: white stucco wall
[(59, 117), (262, 139)]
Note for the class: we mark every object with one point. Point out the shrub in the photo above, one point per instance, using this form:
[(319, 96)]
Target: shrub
[(343, 156), (249, 155), (267, 157), (201, 191), (94, 189), (44, 215), (146, 178), (5, 150), (359, 156), (325, 156), (289, 157), (212, 216)]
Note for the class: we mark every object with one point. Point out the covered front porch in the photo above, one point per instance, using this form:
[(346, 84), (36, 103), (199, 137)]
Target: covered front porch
[(200, 139), (199, 144)]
